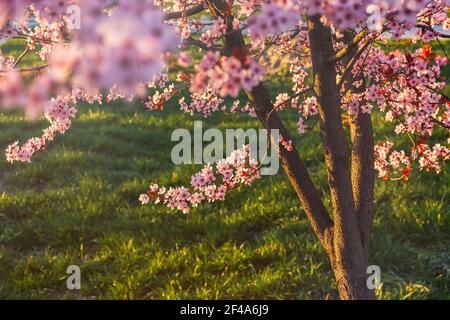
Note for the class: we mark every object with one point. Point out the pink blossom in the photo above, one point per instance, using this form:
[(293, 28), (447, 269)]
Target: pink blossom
[(210, 184)]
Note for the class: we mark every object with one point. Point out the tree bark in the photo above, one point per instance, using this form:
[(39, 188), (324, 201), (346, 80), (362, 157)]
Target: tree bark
[(363, 174), (361, 134), (350, 259)]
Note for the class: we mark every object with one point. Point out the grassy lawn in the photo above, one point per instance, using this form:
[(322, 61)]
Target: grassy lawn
[(76, 203)]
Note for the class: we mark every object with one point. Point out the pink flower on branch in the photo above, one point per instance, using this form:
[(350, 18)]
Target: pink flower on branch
[(226, 75), (210, 184)]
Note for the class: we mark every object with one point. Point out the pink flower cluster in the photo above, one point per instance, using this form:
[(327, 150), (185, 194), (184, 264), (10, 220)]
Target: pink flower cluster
[(287, 144), (406, 87), (226, 75), (43, 37), (274, 18), (205, 102), (123, 48), (6, 64), (392, 164), (158, 99), (210, 184), (350, 13), (120, 46), (60, 114), (219, 28)]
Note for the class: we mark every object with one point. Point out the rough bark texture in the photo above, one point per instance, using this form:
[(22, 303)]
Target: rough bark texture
[(350, 260), (346, 239), (361, 133), (363, 174)]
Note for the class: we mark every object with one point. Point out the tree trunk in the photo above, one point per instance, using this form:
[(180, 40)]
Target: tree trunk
[(361, 134), (350, 258)]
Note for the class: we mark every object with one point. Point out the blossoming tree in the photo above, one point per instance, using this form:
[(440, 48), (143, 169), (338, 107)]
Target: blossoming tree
[(340, 71)]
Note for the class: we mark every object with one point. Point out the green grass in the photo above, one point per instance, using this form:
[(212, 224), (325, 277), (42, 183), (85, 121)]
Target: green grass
[(76, 203), (15, 48)]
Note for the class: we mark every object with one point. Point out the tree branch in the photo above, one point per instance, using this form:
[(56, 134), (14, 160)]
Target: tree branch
[(19, 58), (194, 42), (187, 13), (290, 160), (351, 64), (345, 50), (438, 34)]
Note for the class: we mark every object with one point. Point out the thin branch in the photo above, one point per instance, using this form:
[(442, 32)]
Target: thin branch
[(351, 64), (19, 58), (440, 123), (193, 42), (27, 37), (442, 47), (345, 50), (38, 68), (438, 34), (187, 13), (287, 101)]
